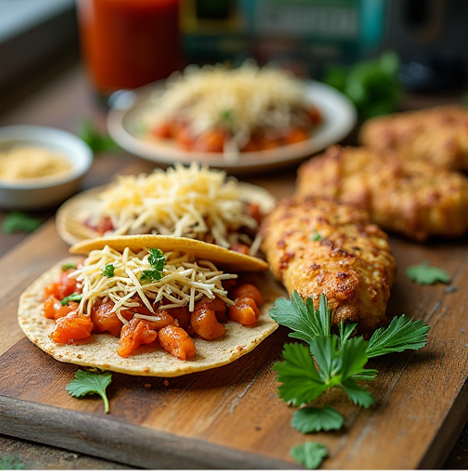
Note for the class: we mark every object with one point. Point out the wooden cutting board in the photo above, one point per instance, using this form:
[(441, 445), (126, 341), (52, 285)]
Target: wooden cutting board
[(231, 417)]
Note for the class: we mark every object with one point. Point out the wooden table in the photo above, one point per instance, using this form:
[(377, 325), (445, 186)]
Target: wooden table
[(61, 99)]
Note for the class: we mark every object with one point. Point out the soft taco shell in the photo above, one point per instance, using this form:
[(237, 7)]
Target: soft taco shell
[(71, 215), (233, 261), (101, 350)]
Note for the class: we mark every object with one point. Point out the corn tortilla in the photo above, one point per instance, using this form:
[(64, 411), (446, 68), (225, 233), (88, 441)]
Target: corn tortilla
[(101, 350)]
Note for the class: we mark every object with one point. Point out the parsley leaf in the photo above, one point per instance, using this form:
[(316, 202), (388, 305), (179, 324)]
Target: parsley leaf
[(90, 382), (72, 297), (303, 319), (108, 270), (402, 334), (17, 221), (301, 381), (157, 260), (424, 274), (314, 419), (309, 454)]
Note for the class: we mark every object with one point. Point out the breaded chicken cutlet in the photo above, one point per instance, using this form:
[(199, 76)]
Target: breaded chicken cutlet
[(319, 245), (413, 198), (438, 135)]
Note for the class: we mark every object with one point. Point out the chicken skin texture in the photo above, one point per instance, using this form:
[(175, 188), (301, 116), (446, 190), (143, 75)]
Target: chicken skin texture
[(413, 198), (319, 245), (438, 135)]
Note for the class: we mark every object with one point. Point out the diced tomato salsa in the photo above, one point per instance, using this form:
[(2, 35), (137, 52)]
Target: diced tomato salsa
[(173, 329)]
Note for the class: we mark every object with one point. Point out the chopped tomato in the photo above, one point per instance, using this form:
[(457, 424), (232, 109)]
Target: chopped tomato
[(53, 308), (105, 320), (181, 315), (314, 115), (210, 141), (58, 290), (134, 334), (245, 311), (295, 135), (254, 211), (248, 290), (102, 226), (240, 248), (72, 327), (177, 342), (204, 322), (162, 130)]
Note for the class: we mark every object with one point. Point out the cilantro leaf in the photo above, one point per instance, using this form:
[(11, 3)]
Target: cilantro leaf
[(315, 236), (359, 395), (424, 274), (157, 260), (301, 381), (402, 334), (76, 297), (309, 454), (302, 317), (108, 270), (17, 221), (90, 382), (314, 419)]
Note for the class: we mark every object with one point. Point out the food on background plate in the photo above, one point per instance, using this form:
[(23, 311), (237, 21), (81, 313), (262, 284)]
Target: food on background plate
[(194, 202), (414, 198), (27, 163), (217, 109), (150, 305), (438, 135), (319, 245)]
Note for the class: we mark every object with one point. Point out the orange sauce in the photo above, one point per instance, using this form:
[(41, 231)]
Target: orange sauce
[(128, 43)]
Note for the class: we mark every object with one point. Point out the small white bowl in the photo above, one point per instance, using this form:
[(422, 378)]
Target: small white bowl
[(44, 192)]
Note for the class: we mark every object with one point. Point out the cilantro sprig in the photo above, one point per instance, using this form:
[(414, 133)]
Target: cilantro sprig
[(17, 221), (425, 274), (327, 360), (90, 382), (76, 297), (108, 270), (157, 260)]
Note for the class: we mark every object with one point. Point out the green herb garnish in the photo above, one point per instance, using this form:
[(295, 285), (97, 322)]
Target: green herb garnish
[(67, 266), (76, 297), (310, 454), (99, 142), (372, 85), (90, 382), (108, 270), (329, 360), (17, 221), (157, 260), (315, 236), (11, 462), (424, 274)]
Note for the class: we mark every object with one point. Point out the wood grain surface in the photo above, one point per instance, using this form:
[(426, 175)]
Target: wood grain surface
[(231, 417)]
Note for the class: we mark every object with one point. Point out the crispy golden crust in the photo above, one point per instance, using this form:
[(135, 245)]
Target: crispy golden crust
[(351, 263), (413, 198), (438, 135)]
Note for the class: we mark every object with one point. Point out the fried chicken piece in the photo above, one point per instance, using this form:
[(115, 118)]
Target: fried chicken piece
[(319, 245), (438, 135), (413, 198)]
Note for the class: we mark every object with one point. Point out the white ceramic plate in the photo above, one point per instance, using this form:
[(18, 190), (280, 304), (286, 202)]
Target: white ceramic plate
[(338, 119)]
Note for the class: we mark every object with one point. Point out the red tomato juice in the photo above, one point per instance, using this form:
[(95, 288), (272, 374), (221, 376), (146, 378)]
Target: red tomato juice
[(128, 43)]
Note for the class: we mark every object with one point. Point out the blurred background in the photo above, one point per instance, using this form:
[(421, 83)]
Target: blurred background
[(306, 36)]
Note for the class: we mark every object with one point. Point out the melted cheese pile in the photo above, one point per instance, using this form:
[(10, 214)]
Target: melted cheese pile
[(185, 281), (189, 202), (24, 163), (238, 99)]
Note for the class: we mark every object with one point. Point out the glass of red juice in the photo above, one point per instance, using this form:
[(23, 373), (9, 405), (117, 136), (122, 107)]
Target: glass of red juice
[(129, 43)]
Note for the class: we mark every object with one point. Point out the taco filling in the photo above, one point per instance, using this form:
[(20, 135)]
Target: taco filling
[(193, 202), (147, 296)]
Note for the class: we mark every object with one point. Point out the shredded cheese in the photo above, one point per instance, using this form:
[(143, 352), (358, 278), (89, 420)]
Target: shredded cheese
[(193, 202), (185, 280)]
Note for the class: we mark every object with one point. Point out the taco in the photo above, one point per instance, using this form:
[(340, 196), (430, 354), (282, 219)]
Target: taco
[(150, 305), (194, 202)]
